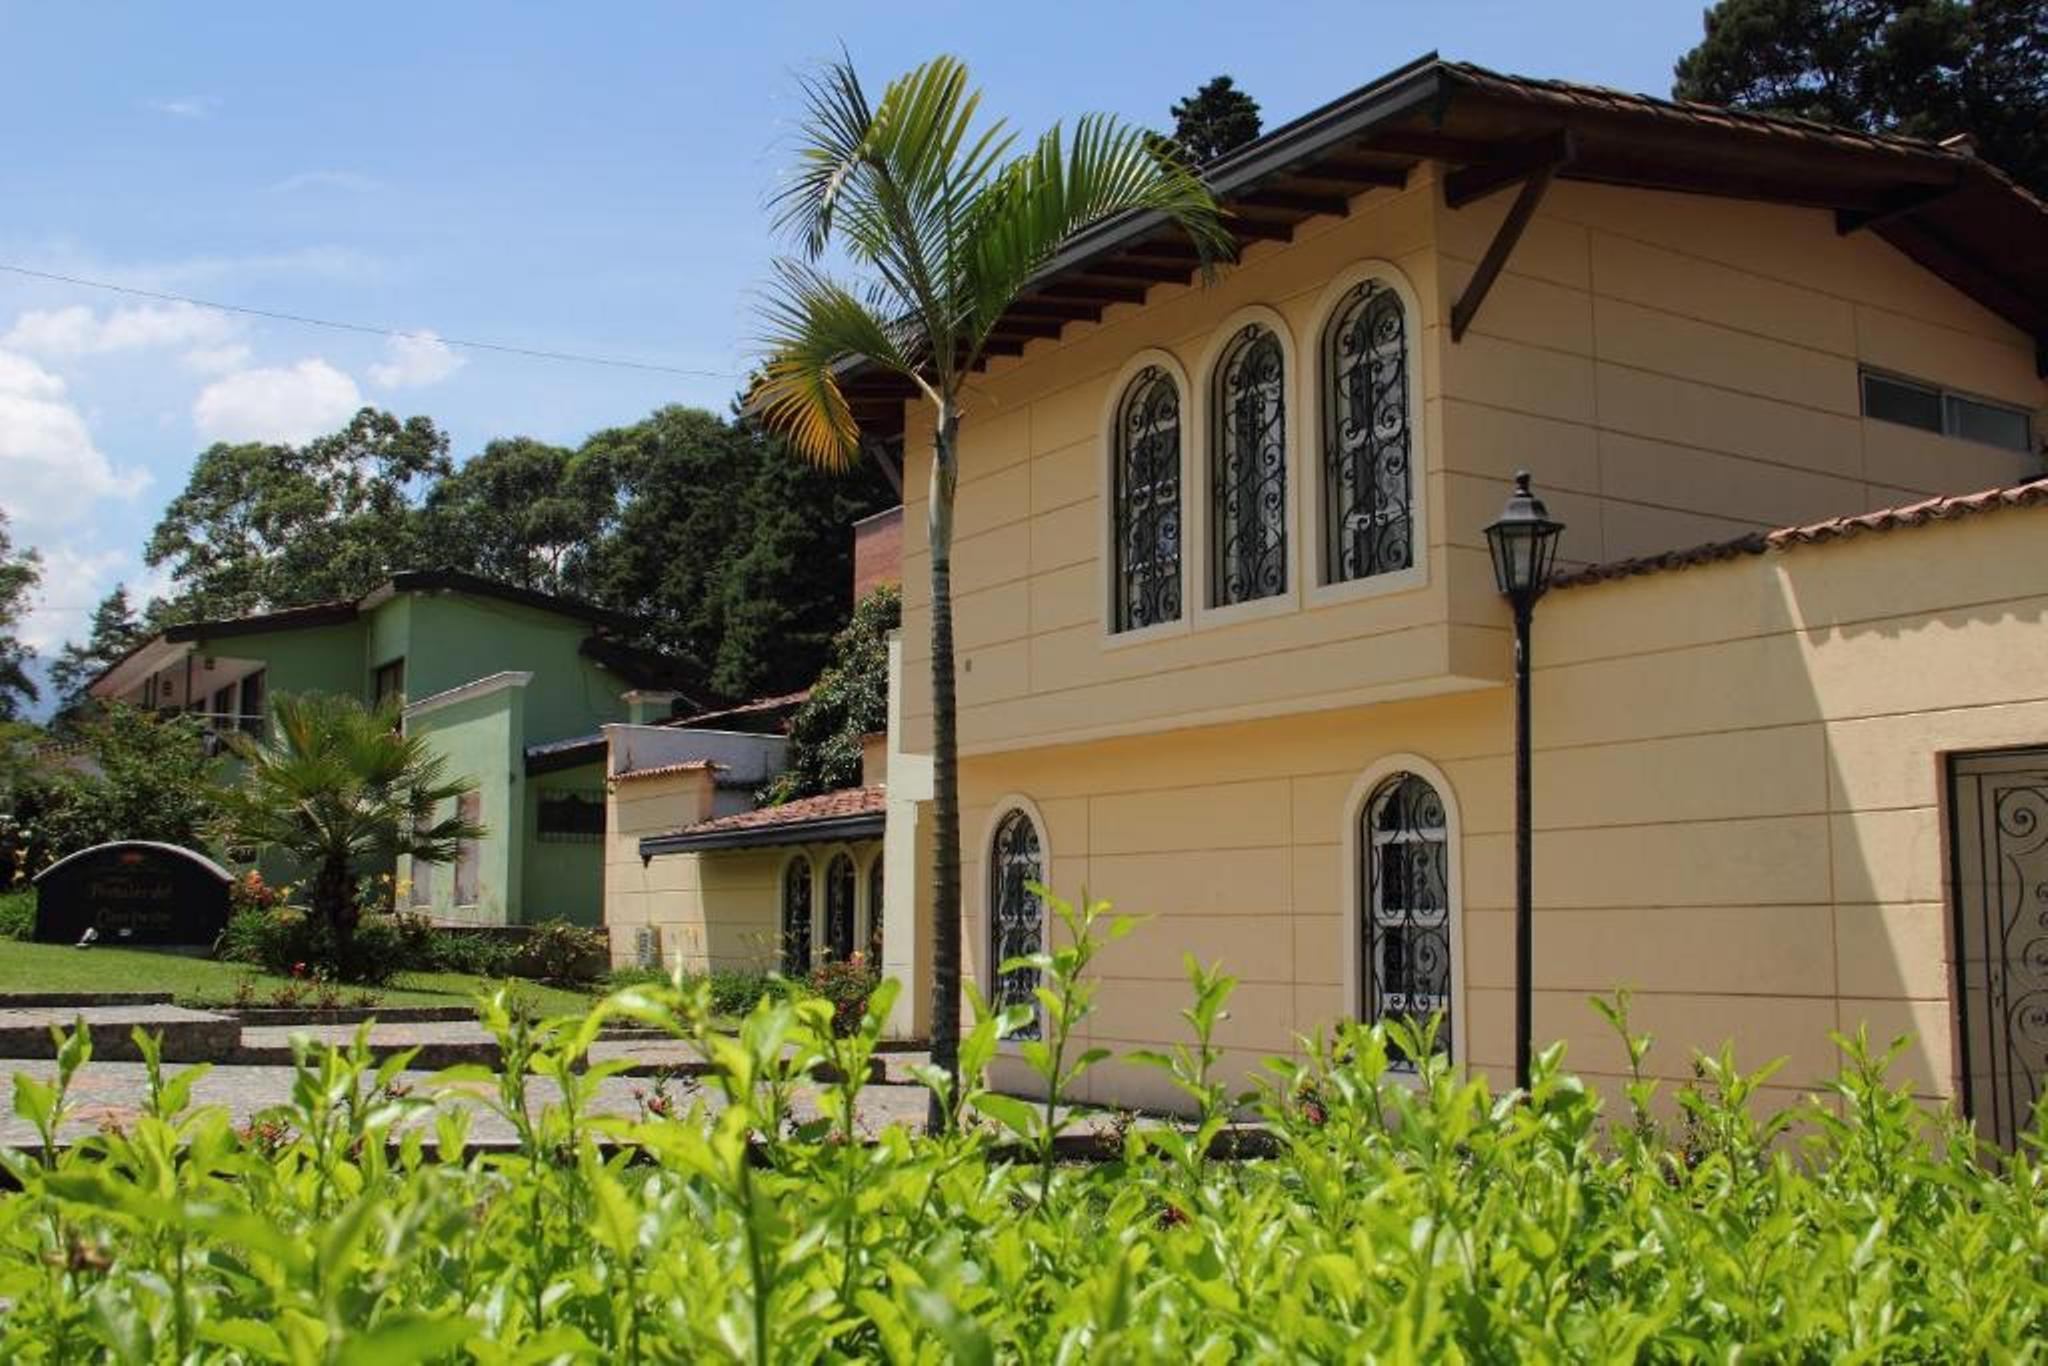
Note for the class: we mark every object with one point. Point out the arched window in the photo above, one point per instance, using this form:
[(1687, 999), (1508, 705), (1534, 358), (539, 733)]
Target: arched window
[(1403, 846), (1015, 914), (840, 884), (1248, 470), (796, 917), (875, 906), (1368, 495), (1146, 514)]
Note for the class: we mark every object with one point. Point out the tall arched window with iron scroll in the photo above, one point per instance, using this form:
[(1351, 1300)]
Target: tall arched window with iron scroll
[(1248, 470), (796, 917), (1146, 511), (1368, 497), (1403, 842), (1016, 916), (841, 887)]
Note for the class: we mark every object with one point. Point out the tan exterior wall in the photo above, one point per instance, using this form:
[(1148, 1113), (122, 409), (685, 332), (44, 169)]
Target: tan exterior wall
[(715, 910), (663, 893), (1739, 789), (1673, 368)]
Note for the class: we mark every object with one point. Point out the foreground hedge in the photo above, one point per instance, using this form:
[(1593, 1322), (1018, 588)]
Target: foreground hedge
[(1398, 1221)]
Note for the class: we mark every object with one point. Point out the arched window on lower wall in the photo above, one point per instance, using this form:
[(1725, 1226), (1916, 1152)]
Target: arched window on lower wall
[(1016, 916), (841, 883), (796, 917), (1404, 885), (876, 905)]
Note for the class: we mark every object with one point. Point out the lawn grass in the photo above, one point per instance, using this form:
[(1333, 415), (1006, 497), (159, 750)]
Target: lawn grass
[(202, 981)]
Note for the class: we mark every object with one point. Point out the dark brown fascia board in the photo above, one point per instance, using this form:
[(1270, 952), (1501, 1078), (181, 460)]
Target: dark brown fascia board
[(290, 619), (826, 828)]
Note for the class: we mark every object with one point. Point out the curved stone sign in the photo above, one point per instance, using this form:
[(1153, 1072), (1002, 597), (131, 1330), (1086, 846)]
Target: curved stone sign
[(132, 892)]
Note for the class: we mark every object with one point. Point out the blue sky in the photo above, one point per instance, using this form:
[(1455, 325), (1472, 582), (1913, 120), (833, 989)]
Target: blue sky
[(572, 178)]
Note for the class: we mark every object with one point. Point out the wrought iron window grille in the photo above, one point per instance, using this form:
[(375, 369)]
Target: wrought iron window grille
[(1248, 471), (1147, 512), (1368, 494)]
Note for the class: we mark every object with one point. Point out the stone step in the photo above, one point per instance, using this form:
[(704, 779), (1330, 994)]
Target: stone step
[(187, 1035)]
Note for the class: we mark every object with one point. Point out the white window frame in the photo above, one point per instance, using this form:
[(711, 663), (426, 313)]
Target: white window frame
[(1317, 592), (1943, 394), (1354, 910), (1201, 438), (1107, 587)]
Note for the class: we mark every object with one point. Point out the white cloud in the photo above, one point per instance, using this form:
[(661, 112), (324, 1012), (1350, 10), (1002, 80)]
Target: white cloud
[(290, 404), (51, 473), (81, 331), (74, 580), (216, 360), (415, 361), (187, 106), (349, 182)]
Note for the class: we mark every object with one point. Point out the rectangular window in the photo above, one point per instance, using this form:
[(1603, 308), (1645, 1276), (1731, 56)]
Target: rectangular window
[(572, 815), (388, 681), (1932, 409), (252, 704), (469, 853)]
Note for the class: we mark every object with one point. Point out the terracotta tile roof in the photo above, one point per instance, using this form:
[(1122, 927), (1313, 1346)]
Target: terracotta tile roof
[(2033, 493), (758, 705), (826, 806), (1572, 95), (664, 770)]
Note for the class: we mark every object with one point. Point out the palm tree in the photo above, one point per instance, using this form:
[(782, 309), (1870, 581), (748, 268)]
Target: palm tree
[(946, 229), (341, 790)]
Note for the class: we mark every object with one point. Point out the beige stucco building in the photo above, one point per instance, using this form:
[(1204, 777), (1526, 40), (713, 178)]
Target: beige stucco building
[(1230, 652)]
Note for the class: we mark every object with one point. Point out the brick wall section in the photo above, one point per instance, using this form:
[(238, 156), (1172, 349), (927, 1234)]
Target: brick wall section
[(877, 552)]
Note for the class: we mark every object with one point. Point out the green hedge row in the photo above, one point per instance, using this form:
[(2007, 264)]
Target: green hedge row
[(1404, 1216)]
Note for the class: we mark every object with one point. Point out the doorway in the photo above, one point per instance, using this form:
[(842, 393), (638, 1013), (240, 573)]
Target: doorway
[(1999, 848)]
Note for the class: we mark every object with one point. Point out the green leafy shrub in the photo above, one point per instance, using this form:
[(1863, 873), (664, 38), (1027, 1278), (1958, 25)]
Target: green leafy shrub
[(479, 955), (557, 951), (286, 941), (1399, 1216), (17, 915), (850, 700), (845, 985)]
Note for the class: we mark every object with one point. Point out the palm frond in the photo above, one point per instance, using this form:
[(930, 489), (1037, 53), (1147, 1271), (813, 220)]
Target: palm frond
[(1064, 186), (813, 324)]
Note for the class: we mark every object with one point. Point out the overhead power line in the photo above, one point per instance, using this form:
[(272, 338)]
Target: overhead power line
[(305, 320)]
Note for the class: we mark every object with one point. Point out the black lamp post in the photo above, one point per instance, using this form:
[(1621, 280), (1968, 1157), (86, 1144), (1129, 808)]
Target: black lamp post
[(1524, 545)]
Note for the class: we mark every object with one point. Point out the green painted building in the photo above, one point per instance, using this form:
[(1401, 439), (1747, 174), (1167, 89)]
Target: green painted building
[(511, 685)]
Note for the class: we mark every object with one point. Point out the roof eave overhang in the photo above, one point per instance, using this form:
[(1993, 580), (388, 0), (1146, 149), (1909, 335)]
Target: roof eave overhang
[(824, 830)]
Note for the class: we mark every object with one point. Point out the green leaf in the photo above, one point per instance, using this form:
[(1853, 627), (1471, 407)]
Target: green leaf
[(406, 1338)]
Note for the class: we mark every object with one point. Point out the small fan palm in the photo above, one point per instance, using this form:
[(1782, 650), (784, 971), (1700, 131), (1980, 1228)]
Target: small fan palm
[(341, 791), (947, 228)]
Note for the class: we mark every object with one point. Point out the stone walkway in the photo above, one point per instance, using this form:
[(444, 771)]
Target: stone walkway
[(111, 1093)]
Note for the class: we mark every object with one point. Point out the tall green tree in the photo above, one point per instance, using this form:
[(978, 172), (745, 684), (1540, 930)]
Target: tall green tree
[(943, 226), (1217, 118), (114, 630), (261, 526), (1924, 68), (848, 702), (737, 557), (20, 572), (522, 512)]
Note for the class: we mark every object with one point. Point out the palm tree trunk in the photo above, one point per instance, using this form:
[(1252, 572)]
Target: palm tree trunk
[(945, 768)]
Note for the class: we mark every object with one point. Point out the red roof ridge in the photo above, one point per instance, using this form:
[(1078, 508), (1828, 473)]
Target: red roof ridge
[(841, 802), (662, 770), (1942, 508)]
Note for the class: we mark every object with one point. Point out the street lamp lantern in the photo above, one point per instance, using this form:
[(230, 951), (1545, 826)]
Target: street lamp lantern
[(1523, 540), (1524, 544)]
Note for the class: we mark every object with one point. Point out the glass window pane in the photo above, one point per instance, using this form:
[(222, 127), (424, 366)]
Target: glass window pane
[(1248, 472), (1405, 925), (1989, 423), (1367, 493), (1890, 400), (1016, 916), (1147, 511)]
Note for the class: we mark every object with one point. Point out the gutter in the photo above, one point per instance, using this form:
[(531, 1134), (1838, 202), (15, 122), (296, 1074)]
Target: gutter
[(864, 826)]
